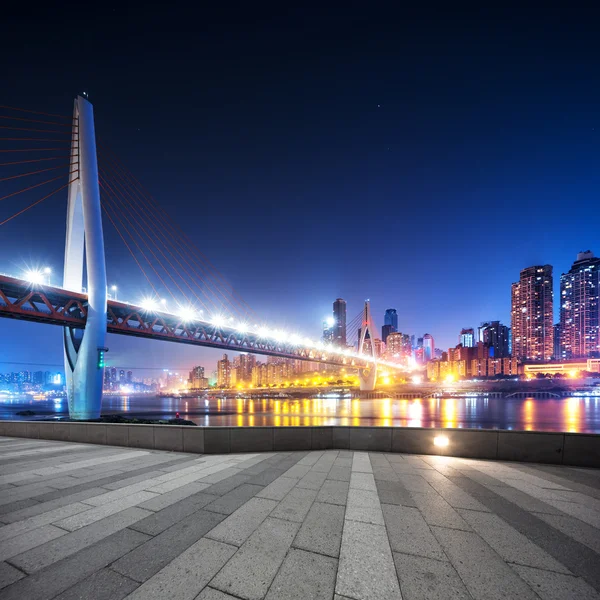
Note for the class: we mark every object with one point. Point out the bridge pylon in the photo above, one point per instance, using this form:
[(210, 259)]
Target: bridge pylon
[(84, 349), (368, 374)]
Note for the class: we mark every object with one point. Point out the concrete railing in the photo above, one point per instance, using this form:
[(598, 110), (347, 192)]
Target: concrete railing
[(577, 449)]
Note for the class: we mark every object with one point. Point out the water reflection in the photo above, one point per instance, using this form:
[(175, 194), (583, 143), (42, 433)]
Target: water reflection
[(576, 414)]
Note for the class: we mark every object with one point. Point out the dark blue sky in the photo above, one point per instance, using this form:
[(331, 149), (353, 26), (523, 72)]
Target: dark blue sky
[(420, 159)]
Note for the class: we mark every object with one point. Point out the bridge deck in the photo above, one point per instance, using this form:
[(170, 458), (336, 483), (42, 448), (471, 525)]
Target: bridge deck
[(97, 522)]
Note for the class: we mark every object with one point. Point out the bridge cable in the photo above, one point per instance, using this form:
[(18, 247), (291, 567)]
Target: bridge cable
[(38, 201), (36, 112), (31, 187), (181, 237), (106, 212), (146, 204), (157, 246), (149, 225), (114, 208)]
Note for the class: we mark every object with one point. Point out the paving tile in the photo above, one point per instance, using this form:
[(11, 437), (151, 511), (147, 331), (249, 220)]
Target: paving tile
[(366, 568), (415, 483), (393, 492), (556, 586), (225, 486), (339, 473), (42, 507), (231, 501), (363, 505), (428, 579), (310, 458), (187, 574), (8, 574), (267, 476), (321, 530), (279, 489), (88, 517), (101, 585), (304, 576), (50, 582), (363, 481), (577, 530), (436, 511), (297, 471), (152, 556), (71, 543), (236, 528), (333, 492), (30, 539), (484, 573), (312, 480), (409, 533), (252, 569), (21, 527), (361, 463), (157, 522), (295, 506), (511, 545), (169, 498)]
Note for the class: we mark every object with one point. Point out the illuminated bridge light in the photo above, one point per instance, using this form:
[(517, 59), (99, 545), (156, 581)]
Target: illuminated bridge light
[(148, 304), (187, 313), (34, 277), (218, 321), (242, 328)]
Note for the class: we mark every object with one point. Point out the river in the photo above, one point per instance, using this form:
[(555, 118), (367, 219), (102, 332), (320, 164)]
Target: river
[(575, 414)]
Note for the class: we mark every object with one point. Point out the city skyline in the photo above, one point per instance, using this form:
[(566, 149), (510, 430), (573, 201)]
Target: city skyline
[(355, 127)]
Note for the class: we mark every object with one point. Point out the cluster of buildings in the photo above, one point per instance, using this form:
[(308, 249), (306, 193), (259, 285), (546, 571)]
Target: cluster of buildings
[(122, 381), (493, 349), (246, 371), (535, 344), (31, 381)]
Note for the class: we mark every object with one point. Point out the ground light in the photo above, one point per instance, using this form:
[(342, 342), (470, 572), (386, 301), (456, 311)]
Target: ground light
[(441, 441)]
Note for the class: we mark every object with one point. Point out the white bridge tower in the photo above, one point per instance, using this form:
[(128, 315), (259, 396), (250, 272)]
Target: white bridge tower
[(84, 349)]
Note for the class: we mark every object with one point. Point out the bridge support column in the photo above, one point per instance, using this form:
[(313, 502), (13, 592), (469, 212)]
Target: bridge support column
[(83, 368), (367, 375)]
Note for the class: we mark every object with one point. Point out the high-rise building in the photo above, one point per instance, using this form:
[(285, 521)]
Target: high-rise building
[(428, 347), (197, 378), (224, 372), (467, 337), (557, 355), (328, 329), (390, 323), (339, 323), (531, 314), (386, 330), (580, 308), (496, 337)]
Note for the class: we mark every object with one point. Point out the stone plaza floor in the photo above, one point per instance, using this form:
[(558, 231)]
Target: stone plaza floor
[(88, 522)]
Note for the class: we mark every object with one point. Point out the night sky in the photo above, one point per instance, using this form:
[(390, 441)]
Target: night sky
[(419, 159)]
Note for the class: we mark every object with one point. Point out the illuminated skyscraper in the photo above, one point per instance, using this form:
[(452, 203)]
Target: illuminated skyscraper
[(224, 372), (531, 314), (496, 337), (390, 323), (428, 347), (580, 308), (467, 338), (339, 322)]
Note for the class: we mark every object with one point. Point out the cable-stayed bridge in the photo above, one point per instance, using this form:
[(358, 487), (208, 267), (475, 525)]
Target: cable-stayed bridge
[(44, 156)]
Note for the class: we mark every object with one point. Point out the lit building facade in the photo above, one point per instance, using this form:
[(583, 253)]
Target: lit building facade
[(339, 322), (496, 337), (224, 372), (467, 337), (580, 308), (390, 323), (532, 302), (428, 347)]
